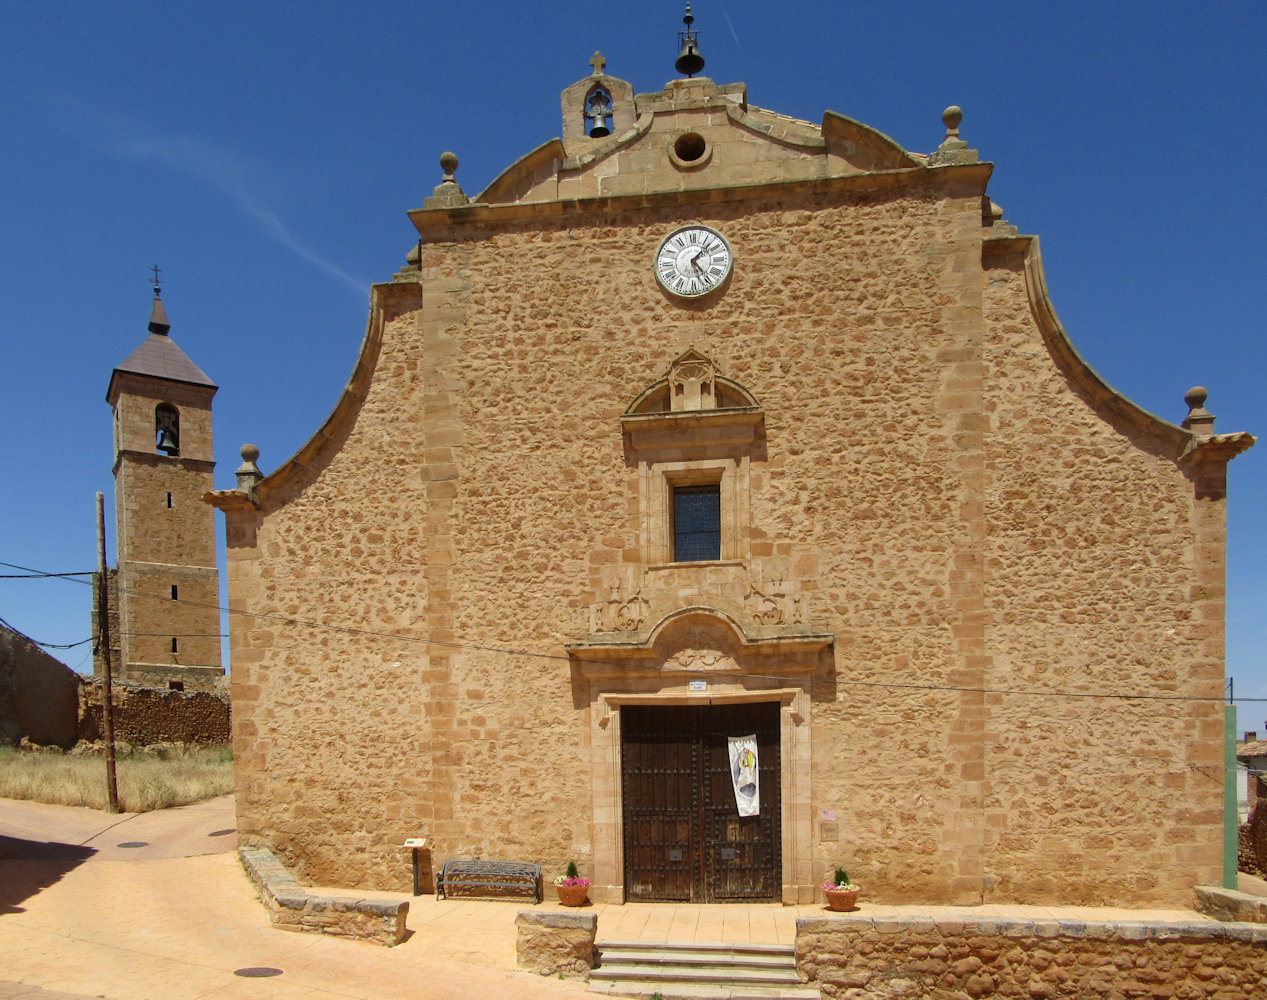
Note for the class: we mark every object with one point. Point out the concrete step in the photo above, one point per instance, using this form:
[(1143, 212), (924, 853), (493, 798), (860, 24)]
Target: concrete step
[(698, 971)]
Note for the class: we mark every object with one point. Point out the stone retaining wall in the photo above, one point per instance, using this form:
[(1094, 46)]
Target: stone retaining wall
[(555, 944), (858, 957), (291, 907)]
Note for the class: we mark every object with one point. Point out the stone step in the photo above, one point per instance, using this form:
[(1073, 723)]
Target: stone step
[(688, 991), (698, 971), (652, 955)]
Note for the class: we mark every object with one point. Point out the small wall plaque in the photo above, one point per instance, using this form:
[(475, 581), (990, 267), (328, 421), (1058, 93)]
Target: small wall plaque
[(699, 685), (829, 832)]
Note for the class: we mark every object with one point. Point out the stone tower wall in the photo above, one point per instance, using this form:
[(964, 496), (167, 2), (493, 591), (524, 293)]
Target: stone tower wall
[(166, 538)]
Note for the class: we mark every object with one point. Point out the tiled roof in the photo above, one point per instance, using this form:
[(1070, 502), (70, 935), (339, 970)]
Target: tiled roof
[(1258, 748), (159, 357)]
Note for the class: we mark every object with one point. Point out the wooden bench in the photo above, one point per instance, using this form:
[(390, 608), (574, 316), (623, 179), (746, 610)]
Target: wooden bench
[(489, 878)]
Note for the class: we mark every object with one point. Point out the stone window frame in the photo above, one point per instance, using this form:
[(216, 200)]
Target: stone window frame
[(671, 448)]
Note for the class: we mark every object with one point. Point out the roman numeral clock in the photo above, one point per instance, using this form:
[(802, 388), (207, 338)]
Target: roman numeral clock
[(692, 261)]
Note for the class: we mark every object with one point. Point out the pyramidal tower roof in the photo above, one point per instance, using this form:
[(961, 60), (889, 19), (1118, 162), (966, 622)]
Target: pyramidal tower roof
[(159, 357)]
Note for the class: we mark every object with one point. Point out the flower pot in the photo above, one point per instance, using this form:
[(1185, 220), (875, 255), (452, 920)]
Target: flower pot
[(572, 895), (841, 899)]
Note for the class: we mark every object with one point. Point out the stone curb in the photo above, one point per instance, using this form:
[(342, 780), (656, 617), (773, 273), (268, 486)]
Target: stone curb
[(1019, 927), (290, 907)]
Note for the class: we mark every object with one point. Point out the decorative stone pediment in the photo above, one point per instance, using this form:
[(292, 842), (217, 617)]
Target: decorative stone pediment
[(693, 383), (703, 639)]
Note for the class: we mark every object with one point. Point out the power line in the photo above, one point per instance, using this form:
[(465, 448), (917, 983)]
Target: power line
[(35, 574), (507, 651), (43, 645)]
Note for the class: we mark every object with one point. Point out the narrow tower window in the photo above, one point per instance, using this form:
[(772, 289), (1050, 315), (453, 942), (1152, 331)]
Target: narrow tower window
[(173, 645), (174, 592), (169, 501), (167, 429)]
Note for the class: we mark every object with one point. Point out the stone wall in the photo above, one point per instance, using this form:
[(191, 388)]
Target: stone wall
[(292, 908), (1253, 841), (38, 694), (156, 715), (856, 957)]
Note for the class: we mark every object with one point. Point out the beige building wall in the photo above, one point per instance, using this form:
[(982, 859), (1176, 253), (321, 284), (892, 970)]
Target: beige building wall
[(947, 543)]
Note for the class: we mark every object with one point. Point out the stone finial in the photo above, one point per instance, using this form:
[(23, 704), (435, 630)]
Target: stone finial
[(248, 473), (953, 149), (449, 164), (598, 62), (448, 193), (1199, 420)]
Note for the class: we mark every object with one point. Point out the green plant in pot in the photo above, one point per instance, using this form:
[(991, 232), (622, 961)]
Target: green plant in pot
[(841, 892), (571, 887)]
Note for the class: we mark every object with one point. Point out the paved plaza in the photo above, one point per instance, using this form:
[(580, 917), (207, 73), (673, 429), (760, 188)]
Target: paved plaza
[(156, 907)]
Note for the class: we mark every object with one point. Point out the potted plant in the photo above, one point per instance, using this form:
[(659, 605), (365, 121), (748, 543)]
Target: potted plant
[(571, 887), (841, 893)]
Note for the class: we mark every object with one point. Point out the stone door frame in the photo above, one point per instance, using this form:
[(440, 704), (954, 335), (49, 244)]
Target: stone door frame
[(795, 778)]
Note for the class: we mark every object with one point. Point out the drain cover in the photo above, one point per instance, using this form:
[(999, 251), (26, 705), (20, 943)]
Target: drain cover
[(221, 833), (135, 843), (257, 972)]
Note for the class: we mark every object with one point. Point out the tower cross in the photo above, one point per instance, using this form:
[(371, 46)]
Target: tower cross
[(598, 62), (155, 281)]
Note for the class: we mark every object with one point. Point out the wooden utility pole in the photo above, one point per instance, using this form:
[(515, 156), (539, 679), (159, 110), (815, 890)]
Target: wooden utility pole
[(103, 637)]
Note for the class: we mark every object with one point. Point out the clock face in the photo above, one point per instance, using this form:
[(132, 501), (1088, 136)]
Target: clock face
[(692, 261)]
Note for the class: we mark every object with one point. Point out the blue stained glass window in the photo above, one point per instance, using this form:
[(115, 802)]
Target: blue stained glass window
[(696, 523)]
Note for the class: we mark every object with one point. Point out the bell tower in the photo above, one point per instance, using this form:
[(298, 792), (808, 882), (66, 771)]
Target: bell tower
[(166, 588)]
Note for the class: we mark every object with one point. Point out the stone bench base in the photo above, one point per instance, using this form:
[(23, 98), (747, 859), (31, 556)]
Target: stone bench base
[(1230, 904), (292, 908), (555, 944)]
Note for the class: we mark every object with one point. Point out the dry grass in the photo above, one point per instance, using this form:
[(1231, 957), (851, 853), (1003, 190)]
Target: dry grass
[(158, 779)]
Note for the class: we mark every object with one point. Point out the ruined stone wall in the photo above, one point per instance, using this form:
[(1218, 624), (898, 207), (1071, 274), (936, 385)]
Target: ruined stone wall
[(466, 511), (144, 715), (38, 694)]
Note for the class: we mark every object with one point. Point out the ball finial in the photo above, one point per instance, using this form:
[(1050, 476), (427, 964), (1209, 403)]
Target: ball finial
[(250, 453), (1196, 397), (449, 164), (951, 118)]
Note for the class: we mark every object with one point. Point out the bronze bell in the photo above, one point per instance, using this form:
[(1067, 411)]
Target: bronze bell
[(167, 443), (690, 61), (600, 128)]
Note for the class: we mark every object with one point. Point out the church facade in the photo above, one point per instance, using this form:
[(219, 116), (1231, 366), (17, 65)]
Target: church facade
[(717, 500)]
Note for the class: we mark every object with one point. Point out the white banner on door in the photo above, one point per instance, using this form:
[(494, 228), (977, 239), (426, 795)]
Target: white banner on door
[(743, 771)]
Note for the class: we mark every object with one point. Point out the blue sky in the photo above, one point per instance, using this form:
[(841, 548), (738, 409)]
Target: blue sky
[(264, 156)]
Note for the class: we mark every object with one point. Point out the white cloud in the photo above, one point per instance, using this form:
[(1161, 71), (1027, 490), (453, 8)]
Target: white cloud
[(218, 169)]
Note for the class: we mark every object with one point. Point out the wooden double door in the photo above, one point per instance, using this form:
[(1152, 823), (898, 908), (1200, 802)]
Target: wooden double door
[(684, 838)]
